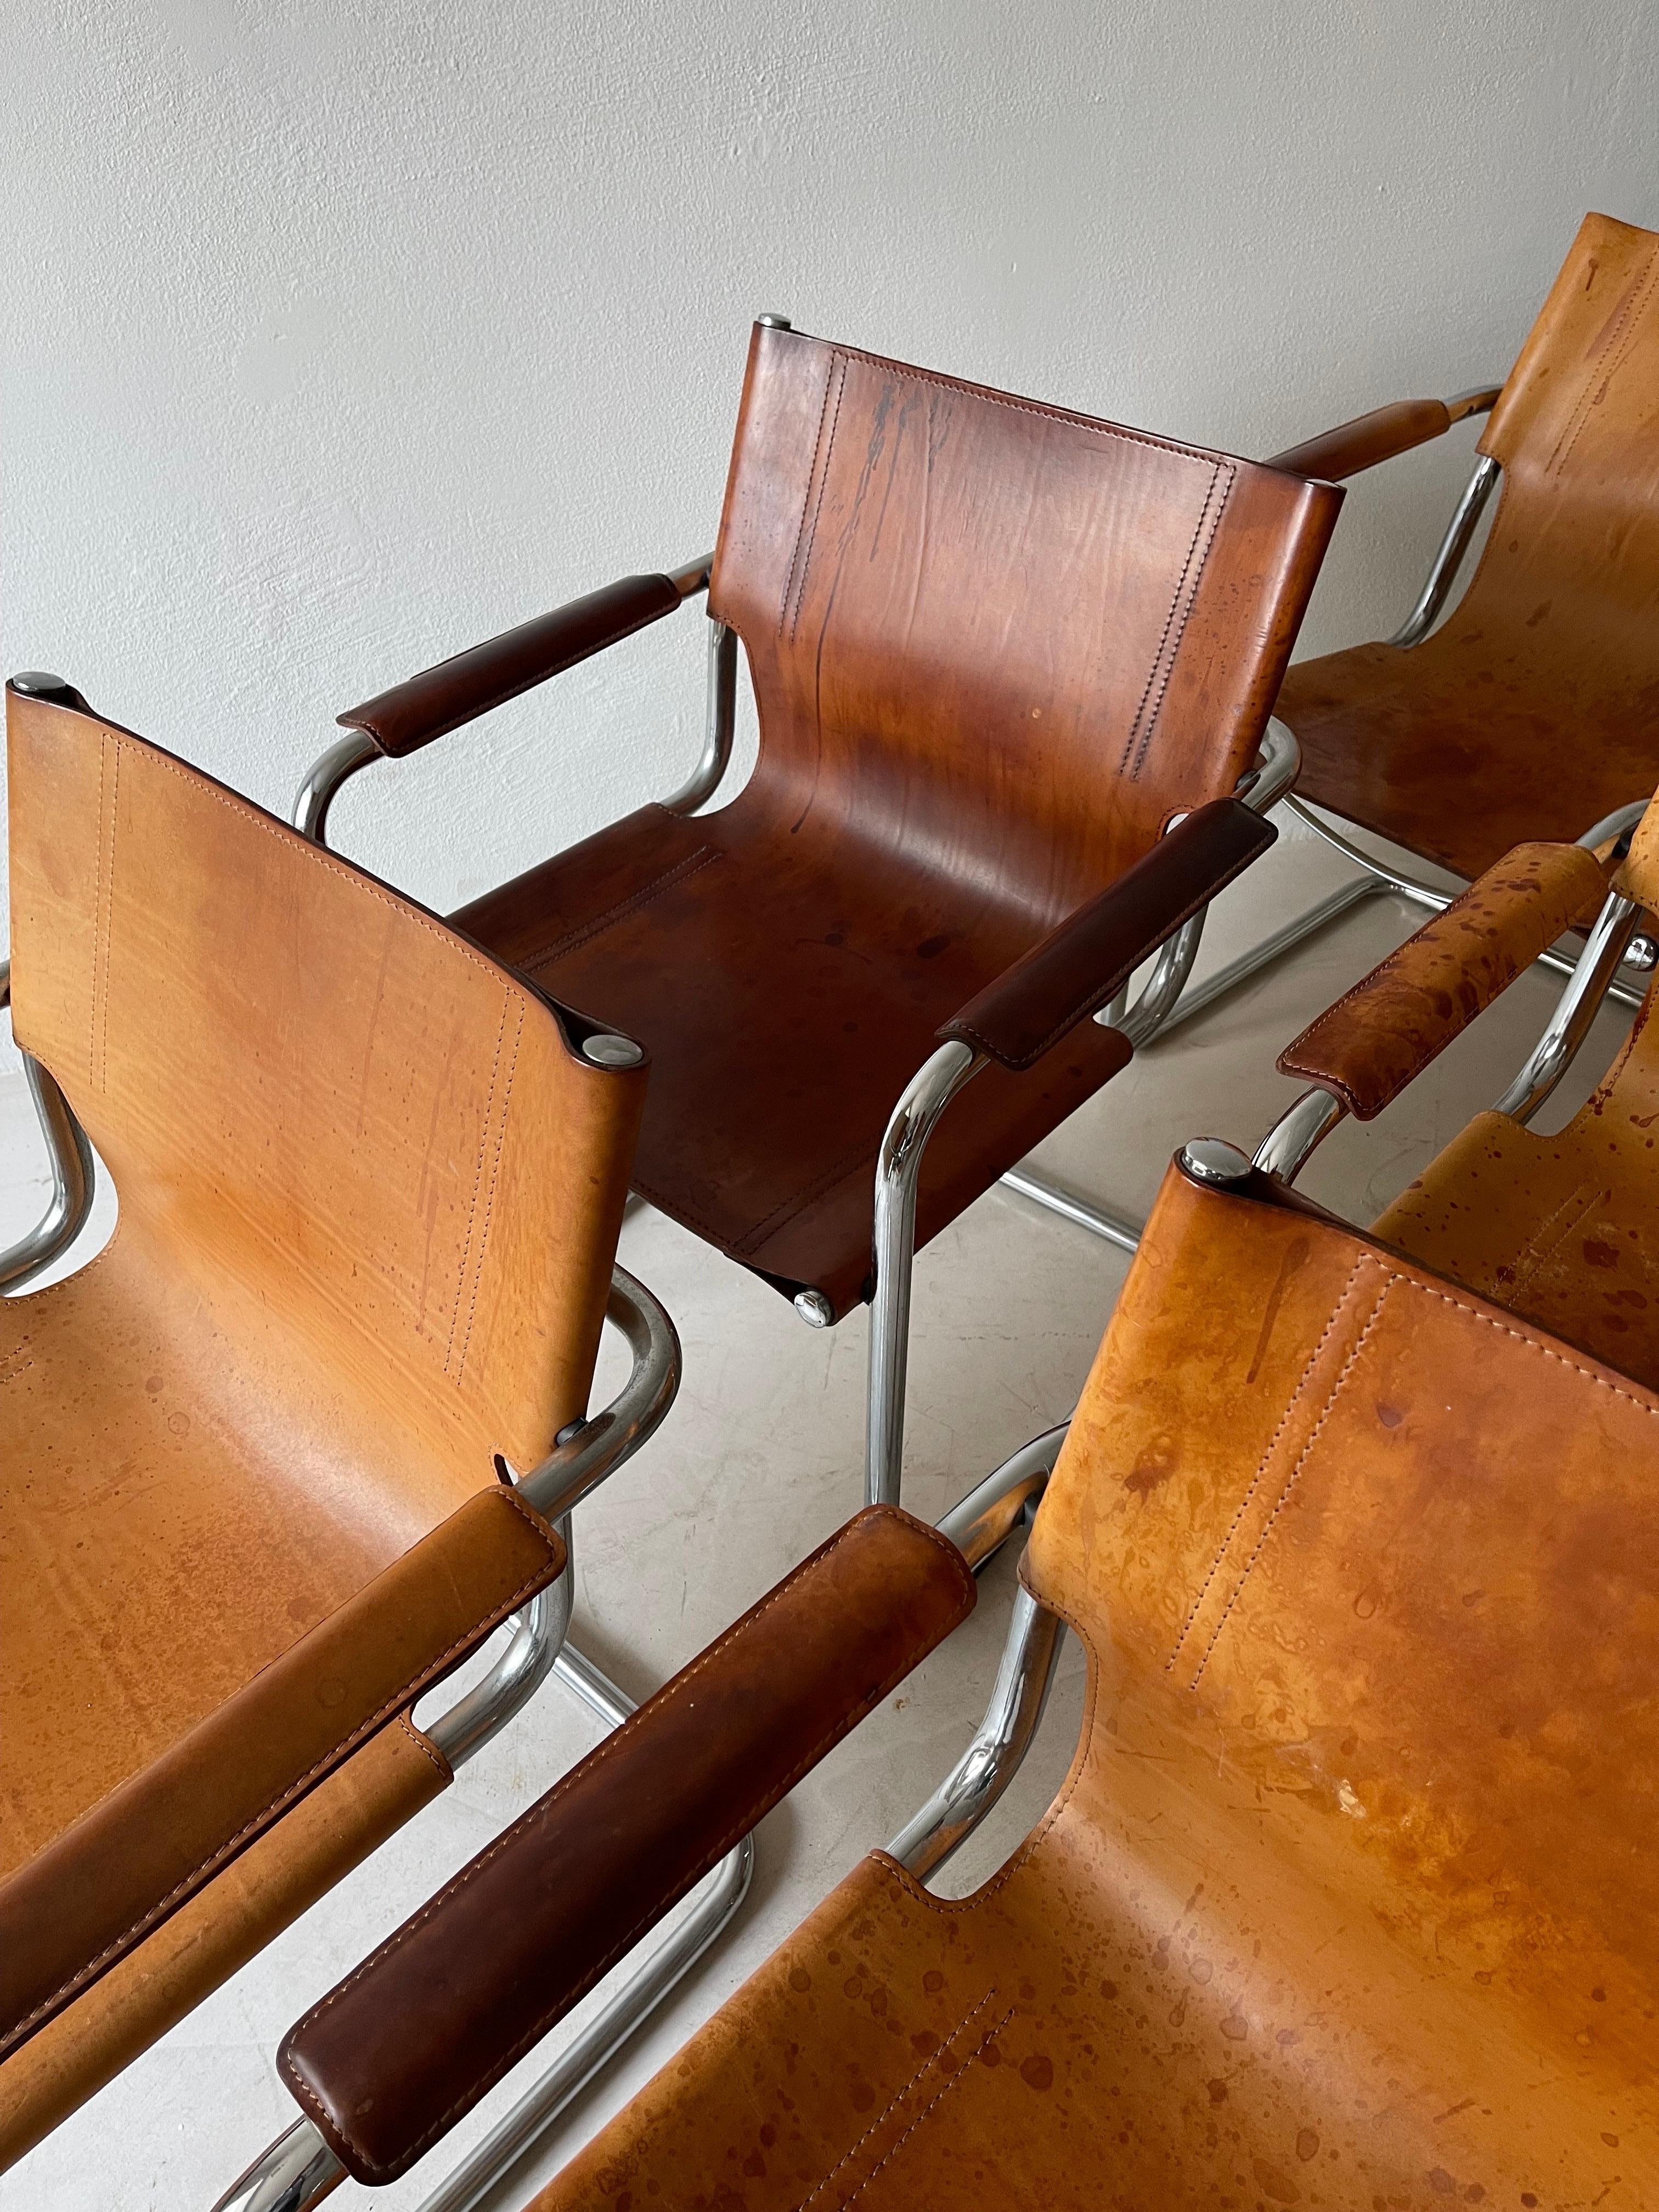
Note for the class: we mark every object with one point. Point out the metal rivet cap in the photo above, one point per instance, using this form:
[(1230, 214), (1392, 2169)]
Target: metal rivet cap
[(771, 322), (607, 1050), (814, 1308), (36, 684), (1212, 1159)]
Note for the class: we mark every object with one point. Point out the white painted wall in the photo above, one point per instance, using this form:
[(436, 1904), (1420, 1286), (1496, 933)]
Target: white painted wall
[(340, 333)]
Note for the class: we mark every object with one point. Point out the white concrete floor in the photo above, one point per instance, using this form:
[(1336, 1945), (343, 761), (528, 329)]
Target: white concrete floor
[(759, 1461)]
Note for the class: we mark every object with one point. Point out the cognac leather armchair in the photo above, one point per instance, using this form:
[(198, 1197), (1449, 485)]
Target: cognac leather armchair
[(1558, 1229), (254, 1457), (1344, 1900), (1527, 714), (1012, 669)]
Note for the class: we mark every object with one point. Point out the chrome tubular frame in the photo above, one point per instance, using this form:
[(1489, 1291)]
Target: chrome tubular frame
[(1291, 1143), (356, 749), (74, 1173), (983, 1522), (722, 714), (898, 1164), (1577, 1008), (1164, 999), (1460, 535)]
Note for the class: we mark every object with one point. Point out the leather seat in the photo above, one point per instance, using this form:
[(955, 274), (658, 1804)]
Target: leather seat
[(368, 1197), (1344, 1903), (1533, 711)]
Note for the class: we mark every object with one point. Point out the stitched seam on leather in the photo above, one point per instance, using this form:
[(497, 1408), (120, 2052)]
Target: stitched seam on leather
[(838, 377), (490, 1194), (1169, 647), (939, 2094), (98, 1042), (1541, 1246), (1290, 1479), (425, 1746), (1098, 997), (899, 2095), (574, 939), (1266, 1460), (573, 1993), (1084, 423), (321, 857), (478, 1180), (227, 1849), (800, 525), (1632, 316), (837, 1172)]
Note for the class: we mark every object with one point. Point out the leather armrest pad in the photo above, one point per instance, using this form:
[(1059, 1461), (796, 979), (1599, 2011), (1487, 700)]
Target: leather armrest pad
[(80, 1904), (401, 2049), (1384, 1032), (1368, 439), (1087, 959), (470, 683)]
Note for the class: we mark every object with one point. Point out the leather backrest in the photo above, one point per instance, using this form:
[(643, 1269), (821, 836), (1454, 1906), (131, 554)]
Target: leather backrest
[(1011, 640), (1572, 564), (1379, 1558), (369, 1152)]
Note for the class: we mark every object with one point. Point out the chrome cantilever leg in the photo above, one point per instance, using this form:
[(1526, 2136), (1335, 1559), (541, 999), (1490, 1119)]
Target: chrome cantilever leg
[(73, 1173), (897, 1167)]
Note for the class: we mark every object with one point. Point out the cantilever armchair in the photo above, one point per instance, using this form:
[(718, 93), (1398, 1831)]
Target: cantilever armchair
[(1558, 1229), (1528, 713), (256, 1458), (1348, 1898), (1012, 669)]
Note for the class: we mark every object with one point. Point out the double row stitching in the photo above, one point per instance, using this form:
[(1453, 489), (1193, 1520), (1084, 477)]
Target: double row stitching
[(568, 1995), (334, 1758), (950, 2082), (98, 1039), (499, 1124), (1169, 646), (829, 376), (823, 471), (1337, 1389), (1266, 1458), (1581, 413), (574, 939)]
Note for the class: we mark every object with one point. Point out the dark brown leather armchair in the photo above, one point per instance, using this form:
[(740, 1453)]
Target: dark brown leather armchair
[(1348, 1898), (1528, 714), (1011, 666)]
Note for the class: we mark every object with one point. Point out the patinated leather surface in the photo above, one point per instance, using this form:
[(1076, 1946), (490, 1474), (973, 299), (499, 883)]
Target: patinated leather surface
[(393, 2055), (1384, 1033), (1343, 1902), (1531, 712), (441, 699), (1378, 436), (221, 1928), (368, 1201), (102, 1885), (1082, 963), (995, 648)]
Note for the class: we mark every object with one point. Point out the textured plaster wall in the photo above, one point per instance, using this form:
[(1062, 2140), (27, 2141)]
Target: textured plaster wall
[(337, 336)]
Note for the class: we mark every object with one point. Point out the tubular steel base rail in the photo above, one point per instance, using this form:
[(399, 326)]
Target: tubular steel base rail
[(299, 2169)]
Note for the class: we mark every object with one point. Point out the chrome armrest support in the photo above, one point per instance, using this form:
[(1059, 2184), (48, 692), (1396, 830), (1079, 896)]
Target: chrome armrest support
[(722, 713), (1263, 784), (597, 1447), (1575, 1009), (1289, 1144), (297, 2170), (979, 1523), (1480, 400), (898, 1165), (991, 1761), (321, 782), (323, 778), (74, 1173), (1459, 532)]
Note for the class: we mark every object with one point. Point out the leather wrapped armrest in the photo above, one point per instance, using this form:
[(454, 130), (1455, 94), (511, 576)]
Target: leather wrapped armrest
[(395, 2055), (441, 699), (1384, 1033), (1368, 439), (1088, 957)]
